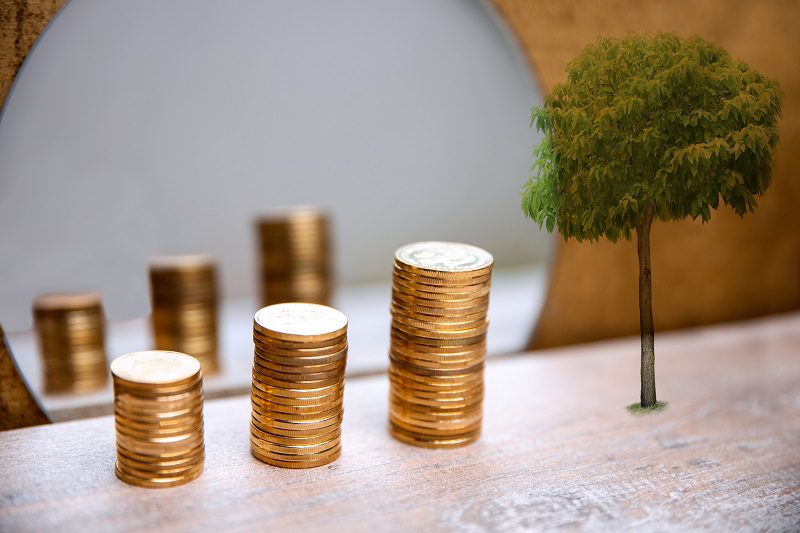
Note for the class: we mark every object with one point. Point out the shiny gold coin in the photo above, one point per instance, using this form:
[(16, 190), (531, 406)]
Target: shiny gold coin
[(434, 430), (462, 370), (444, 259), (268, 416), (327, 459), (298, 393), (299, 349), (291, 457), (300, 322), (406, 299), (434, 292), (301, 441), (415, 439), (294, 450), (297, 426), (337, 366), (158, 482), (439, 327), (158, 368)]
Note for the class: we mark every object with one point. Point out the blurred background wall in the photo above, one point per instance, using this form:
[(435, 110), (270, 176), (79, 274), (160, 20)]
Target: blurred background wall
[(140, 128)]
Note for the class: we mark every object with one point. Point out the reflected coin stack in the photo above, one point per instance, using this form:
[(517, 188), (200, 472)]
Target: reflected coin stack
[(295, 257), (71, 333), (298, 384), (158, 415), (440, 300), (183, 292)]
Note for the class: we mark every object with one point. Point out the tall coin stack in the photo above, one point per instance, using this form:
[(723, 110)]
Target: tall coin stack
[(158, 415), (183, 291), (298, 384), (295, 257), (71, 333), (440, 300)]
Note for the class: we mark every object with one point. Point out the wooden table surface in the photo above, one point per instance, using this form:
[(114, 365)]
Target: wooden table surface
[(559, 450)]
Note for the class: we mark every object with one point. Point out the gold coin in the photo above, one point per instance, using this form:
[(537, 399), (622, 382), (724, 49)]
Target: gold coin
[(298, 393), (438, 281), (151, 463), (462, 370), (294, 449), (433, 429), (295, 384), (158, 482), (301, 440), (298, 426), (439, 327), (337, 366), (268, 416), (290, 457), (308, 401), (408, 299), (296, 464), (433, 442), (160, 368), (444, 259), (433, 292), (405, 335), (300, 322), (292, 377)]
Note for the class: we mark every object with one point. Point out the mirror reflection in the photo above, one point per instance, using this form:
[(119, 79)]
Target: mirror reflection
[(138, 134)]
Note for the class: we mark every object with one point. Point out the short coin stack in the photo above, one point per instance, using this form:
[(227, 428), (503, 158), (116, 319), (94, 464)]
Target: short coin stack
[(158, 414), (183, 291), (440, 300), (298, 384), (295, 257), (71, 333)]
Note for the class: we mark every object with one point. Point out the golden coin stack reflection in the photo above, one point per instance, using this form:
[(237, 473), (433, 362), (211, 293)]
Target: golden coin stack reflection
[(440, 300), (158, 415), (295, 257), (71, 333), (183, 291), (298, 384)]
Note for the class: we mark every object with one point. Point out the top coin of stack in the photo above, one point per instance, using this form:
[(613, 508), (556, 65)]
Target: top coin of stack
[(71, 332), (440, 300), (183, 291), (158, 416), (298, 384), (295, 257)]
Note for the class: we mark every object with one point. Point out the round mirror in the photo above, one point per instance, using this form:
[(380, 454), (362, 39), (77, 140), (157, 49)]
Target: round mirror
[(137, 129)]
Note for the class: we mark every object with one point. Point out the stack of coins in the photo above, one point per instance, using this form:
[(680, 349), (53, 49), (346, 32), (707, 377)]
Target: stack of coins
[(158, 415), (295, 257), (440, 300), (183, 291), (71, 332), (298, 384)]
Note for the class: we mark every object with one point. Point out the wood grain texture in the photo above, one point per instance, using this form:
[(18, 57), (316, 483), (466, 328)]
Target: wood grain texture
[(559, 450), (18, 407), (728, 269), (21, 23)]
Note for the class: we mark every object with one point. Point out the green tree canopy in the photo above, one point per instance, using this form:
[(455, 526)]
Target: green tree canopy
[(650, 122)]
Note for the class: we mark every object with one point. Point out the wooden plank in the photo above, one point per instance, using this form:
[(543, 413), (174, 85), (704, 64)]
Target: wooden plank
[(559, 450), (18, 407)]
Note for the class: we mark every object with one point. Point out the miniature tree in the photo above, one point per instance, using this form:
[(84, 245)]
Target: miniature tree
[(650, 127)]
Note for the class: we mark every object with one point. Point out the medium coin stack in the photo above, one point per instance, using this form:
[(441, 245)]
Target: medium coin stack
[(295, 257), (71, 333), (298, 384), (183, 292), (440, 300), (158, 415)]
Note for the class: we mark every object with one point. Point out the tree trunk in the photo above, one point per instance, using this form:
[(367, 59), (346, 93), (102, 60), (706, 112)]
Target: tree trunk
[(648, 396)]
